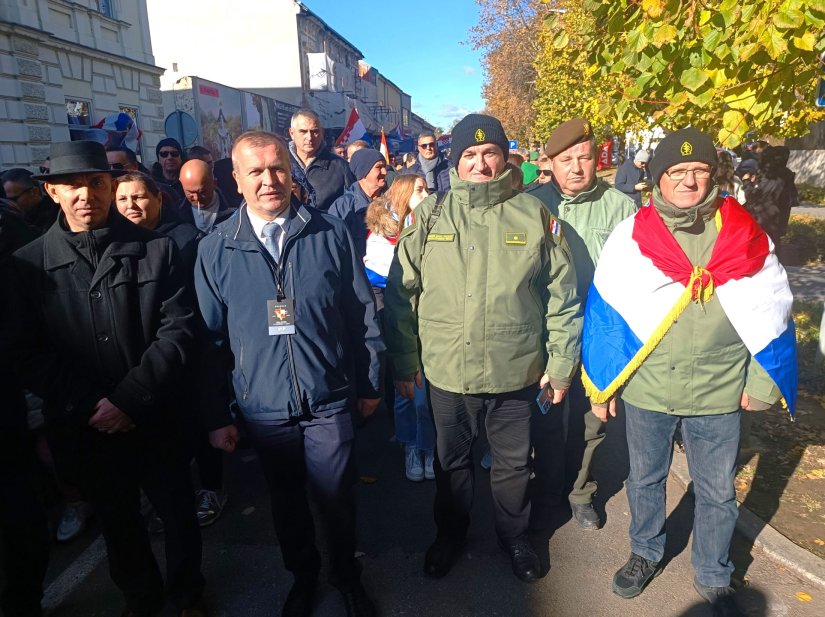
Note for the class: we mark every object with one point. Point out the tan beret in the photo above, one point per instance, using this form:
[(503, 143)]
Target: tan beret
[(570, 133)]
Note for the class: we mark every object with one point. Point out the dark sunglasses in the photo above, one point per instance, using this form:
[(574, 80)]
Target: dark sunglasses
[(428, 146), (167, 153), (44, 170), (544, 172), (118, 166)]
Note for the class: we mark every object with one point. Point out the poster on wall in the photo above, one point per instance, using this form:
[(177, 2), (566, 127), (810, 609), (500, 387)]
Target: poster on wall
[(256, 112), (283, 117), (219, 111)]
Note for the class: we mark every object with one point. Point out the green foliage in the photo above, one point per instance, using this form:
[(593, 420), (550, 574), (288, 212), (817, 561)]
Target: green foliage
[(725, 66), (807, 319), (566, 86), (807, 235), (811, 194)]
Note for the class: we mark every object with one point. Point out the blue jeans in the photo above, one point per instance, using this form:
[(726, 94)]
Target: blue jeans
[(711, 445), (414, 420)]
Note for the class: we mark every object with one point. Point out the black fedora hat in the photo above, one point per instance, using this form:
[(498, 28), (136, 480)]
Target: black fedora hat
[(77, 157)]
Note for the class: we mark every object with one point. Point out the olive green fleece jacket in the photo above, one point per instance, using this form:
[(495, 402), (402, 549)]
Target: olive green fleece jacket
[(587, 220), (701, 366), (490, 292)]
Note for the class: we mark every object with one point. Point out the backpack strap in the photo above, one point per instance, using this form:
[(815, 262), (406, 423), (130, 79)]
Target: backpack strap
[(434, 214)]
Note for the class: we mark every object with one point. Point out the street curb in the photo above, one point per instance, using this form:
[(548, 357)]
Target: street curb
[(773, 543)]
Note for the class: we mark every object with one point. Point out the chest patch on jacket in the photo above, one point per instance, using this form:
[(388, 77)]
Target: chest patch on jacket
[(518, 238), (555, 227), (441, 238)]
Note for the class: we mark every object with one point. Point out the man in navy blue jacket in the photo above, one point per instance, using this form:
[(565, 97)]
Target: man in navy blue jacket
[(327, 174), (281, 287)]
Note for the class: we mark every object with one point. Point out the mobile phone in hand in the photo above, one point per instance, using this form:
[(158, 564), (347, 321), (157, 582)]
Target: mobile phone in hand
[(545, 399)]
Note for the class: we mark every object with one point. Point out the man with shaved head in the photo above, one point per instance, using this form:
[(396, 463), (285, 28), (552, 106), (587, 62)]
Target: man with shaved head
[(203, 205)]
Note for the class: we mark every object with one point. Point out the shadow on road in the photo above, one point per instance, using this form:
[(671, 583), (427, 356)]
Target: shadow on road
[(612, 463)]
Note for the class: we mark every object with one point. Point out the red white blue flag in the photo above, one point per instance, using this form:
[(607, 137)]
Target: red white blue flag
[(644, 281)]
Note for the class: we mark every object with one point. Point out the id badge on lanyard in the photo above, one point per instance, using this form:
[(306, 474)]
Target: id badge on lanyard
[(281, 316)]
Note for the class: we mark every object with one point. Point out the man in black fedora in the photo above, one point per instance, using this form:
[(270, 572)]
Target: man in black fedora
[(103, 326)]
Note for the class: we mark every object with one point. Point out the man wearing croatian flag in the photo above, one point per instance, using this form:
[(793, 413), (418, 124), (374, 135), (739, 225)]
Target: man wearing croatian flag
[(689, 321)]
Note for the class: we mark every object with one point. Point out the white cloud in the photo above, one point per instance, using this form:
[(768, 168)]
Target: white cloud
[(452, 112), (468, 70)]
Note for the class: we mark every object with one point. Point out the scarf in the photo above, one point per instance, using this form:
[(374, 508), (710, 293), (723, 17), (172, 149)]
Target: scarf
[(428, 167)]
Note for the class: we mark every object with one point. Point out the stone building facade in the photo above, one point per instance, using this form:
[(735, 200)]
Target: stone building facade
[(70, 64)]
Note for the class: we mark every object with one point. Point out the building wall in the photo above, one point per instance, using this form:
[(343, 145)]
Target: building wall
[(315, 37), (808, 156), (250, 45), (51, 51)]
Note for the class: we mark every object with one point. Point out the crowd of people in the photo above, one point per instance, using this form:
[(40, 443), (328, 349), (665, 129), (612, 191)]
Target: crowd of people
[(289, 292)]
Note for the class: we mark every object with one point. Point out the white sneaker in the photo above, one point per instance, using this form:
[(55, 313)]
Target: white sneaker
[(429, 460), (210, 506), (412, 464), (73, 520)]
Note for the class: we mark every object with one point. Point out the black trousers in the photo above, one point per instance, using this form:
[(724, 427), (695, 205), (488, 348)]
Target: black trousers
[(110, 470), (508, 432), (317, 452), (24, 531)]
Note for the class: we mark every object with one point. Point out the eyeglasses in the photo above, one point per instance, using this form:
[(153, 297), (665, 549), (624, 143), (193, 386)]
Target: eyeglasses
[(544, 172), (44, 170), (703, 173), (428, 146), (167, 153), (118, 166)]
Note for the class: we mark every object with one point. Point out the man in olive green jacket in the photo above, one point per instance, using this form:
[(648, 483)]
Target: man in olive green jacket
[(696, 379), (487, 282), (589, 209)]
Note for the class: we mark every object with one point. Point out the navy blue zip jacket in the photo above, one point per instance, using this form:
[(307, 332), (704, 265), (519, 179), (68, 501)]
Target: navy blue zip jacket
[(333, 358), (351, 207)]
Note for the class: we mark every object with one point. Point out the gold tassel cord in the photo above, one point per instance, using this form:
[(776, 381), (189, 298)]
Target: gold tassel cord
[(602, 396)]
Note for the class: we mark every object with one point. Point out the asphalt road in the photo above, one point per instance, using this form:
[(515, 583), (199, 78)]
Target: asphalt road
[(245, 576)]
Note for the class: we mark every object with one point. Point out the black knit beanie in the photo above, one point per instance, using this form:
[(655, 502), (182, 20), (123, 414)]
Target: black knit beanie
[(684, 146), (363, 160), (474, 130), (168, 142)]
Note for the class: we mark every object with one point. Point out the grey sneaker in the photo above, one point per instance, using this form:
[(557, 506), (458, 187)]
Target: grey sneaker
[(413, 467), (73, 520), (429, 461), (210, 506), (633, 577), (720, 598)]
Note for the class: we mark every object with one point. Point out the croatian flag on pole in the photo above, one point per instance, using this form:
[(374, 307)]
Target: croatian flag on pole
[(644, 281), (354, 130)]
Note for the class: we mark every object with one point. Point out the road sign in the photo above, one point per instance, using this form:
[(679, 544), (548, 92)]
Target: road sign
[(820, 95), (514, 144)]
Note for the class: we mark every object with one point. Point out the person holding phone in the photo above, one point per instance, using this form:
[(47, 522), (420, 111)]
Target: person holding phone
[(485, 279)]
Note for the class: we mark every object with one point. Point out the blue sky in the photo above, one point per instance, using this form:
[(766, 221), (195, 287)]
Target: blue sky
[(418, 45)]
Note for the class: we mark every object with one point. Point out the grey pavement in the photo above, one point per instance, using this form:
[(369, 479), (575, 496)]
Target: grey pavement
[(807, 282), (810, 209), (245, 577)]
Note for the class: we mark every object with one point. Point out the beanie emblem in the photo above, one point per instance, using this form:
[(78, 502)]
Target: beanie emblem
[(480, 136), (686, 149), (586, 129)]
